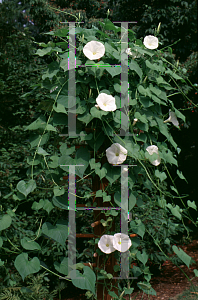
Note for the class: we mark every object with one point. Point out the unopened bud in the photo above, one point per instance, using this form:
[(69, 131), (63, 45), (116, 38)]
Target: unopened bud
[(158, 28), (108, 12), (83, 37), (135, 121)]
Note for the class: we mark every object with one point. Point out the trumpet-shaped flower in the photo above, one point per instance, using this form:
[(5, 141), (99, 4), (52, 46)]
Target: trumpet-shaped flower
[(116, 154), (150, 42), (172, 118), (94, 50), (106, 102), (106, 244), (121, 242), (154, 149)]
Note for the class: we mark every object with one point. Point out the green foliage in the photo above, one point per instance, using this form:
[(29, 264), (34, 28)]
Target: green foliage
[(34, 217), (178, 21)]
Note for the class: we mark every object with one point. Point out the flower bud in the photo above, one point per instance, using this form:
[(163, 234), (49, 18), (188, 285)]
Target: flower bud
[(135, 121), (158, 28)]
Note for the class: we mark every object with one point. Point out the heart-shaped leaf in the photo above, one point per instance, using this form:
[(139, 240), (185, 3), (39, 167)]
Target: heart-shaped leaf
[(58, 233), (85, 281), (5, 222), (28, 244), (26, 188), (182, 255), (101, 172), (26, 267), (63, 266)]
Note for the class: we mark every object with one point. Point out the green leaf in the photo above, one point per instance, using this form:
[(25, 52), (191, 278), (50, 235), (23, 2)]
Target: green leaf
[(140, 117), (113, 294), (136, 271), (113, 173), (26, 188), (1, 263), (135, 67), (101, 172), (143, 257), (86, 117), (182, 255), (161, 175), (5, 222), (144, 92), (35, 139), (59, 108), (58, 191), (41, 151), (132, 201), (48, 206), (145, 101), (28, 244), (54, 163), (93, 164), (52, 70), (168, 157), (42, 52), (180, 115), (138, 227), (181, 176), (62, 267), (196, 272), (86, 280), (1, 242), (26, 267), (192, 204), (128, 291), (39, 123), (175, 210), (113, 71), (98, 113), (61, 202), (38, 205), (82, 158), (59, 232)]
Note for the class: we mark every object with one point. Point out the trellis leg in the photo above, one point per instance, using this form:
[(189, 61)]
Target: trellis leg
[(98, 231)]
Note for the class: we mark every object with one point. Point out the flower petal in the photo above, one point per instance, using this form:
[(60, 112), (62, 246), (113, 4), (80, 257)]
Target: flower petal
[(116, 154), (106, 244), (150, 42), (154, 149), (121, 242), (94, 50), (106, 102)]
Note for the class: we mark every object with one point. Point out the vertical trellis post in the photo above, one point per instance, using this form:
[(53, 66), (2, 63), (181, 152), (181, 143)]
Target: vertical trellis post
[(98, 231)]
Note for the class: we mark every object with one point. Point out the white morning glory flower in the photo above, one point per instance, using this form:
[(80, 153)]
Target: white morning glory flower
[(106, 102), (121, 242), (94, 50), (116, 154), (172, 118), (106, 244), (150, 42), (154, 149)]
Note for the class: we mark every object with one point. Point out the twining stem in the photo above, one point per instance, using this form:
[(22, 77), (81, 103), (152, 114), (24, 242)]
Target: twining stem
[(55, 274)]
